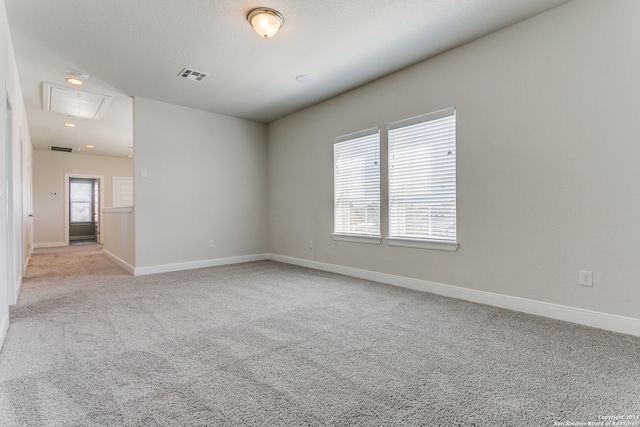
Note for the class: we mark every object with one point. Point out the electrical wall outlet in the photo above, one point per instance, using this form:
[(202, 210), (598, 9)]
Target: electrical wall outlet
[(212, 243), (310, 244), (586, 278)]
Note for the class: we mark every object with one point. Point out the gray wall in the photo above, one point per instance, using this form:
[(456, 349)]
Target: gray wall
[(548, 181), (15, 194), (206, 180), (49, 168)]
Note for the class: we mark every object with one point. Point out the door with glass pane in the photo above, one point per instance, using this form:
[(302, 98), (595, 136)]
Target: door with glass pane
[(83, 210)]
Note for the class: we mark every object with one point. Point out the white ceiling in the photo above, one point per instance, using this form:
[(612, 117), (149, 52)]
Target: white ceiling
[(137, 48)]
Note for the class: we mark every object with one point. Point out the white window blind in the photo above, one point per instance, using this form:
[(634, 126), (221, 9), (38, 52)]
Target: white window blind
[(81, 201), (356, 161), (422, 177)]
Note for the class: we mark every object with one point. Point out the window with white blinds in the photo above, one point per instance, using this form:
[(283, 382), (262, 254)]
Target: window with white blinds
[(422, 177), (356, 191)]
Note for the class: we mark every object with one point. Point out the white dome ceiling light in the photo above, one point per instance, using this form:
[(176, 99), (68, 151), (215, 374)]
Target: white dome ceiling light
[(265, 21)]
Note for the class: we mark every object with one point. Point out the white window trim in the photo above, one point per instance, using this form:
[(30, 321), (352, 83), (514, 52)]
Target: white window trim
[(357, 238), (443, 245), (356, 135), (423, 244)]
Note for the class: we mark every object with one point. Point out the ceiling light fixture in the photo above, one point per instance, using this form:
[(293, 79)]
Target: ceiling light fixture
[(78, 79), (89, 146), (265, 21), (70, 125)]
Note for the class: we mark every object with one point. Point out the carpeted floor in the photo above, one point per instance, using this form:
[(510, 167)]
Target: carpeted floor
[(269, 344)]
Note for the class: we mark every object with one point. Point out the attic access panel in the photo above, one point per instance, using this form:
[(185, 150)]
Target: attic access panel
[(73, 102)]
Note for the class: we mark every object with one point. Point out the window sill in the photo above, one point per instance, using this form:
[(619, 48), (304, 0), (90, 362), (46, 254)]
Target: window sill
[(423, 244), (373, 240), (118, 209)]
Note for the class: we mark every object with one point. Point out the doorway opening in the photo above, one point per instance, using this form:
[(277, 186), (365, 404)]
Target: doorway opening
[(83, 210), (83, 202)]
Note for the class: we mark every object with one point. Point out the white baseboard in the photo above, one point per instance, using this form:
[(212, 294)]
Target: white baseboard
[(122, 263), (49, 245), (610, 322), (4, 327), (166, 268)]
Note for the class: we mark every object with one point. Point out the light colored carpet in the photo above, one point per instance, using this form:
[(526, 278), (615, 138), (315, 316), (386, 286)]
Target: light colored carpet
[(269, 344)]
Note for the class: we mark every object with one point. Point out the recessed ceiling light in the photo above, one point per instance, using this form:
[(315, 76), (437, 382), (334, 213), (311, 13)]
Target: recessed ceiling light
[(78, 78), (71, 125), (74, 81), (304, 78), (89, 146)]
